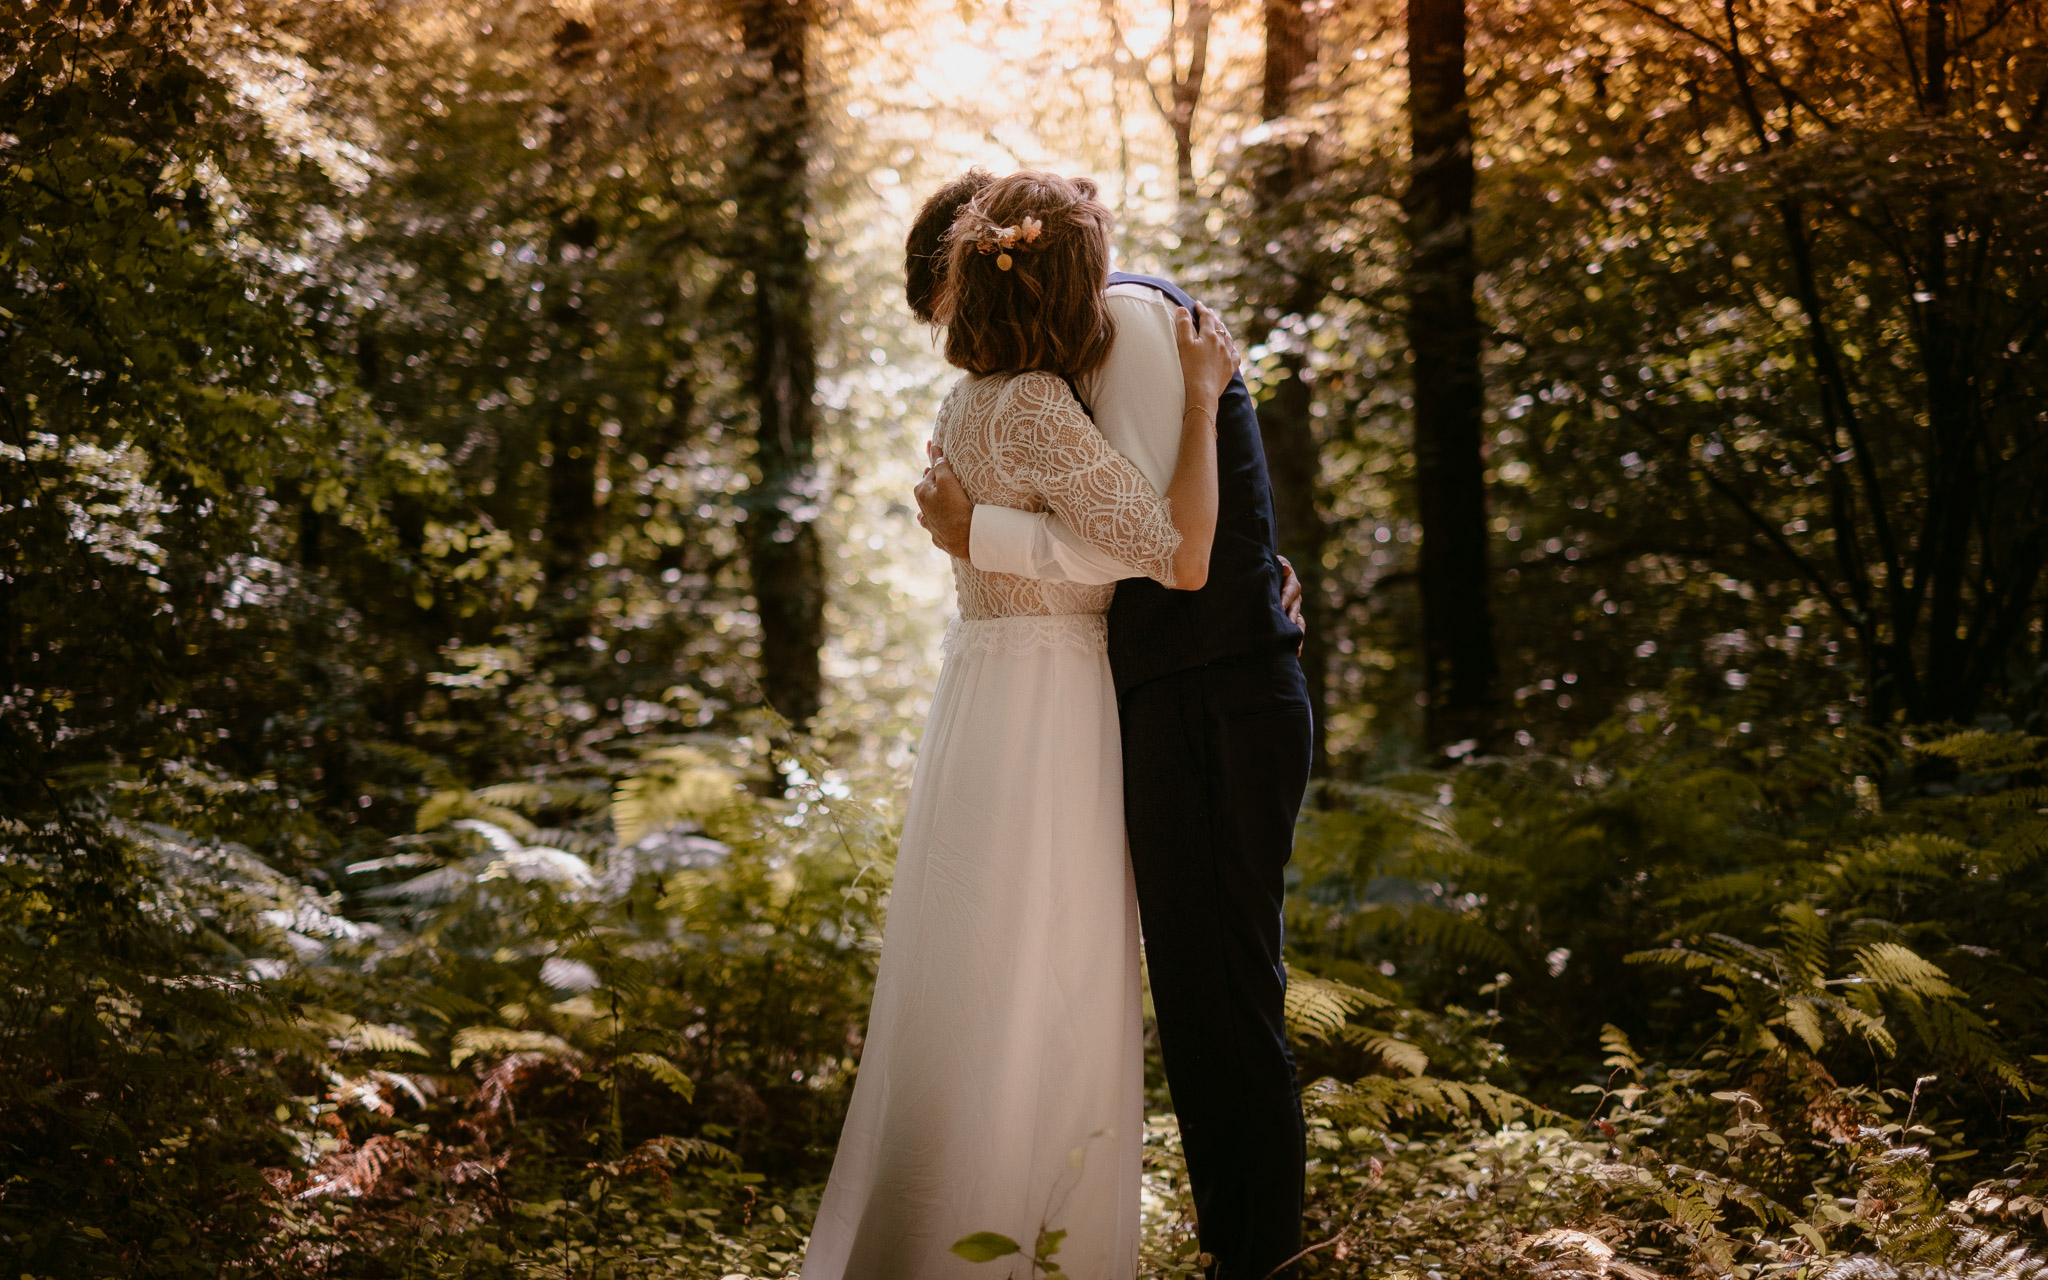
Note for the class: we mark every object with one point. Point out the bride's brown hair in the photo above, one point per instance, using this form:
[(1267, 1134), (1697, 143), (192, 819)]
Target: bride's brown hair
[(1027, 260)]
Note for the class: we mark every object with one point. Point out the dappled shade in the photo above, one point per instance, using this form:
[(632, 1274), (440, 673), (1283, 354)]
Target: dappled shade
[(466, 635)]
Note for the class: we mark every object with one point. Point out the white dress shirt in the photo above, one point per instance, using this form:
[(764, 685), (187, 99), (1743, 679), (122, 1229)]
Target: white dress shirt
[(1137, 398)]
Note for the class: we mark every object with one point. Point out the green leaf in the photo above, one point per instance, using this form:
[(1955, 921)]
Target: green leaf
[(471, 1041), (679, 783), (986, 1246), (382, 1039), (665, 1071)]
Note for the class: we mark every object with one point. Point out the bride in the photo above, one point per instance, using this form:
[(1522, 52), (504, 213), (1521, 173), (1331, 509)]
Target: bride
[(1000, 1089)]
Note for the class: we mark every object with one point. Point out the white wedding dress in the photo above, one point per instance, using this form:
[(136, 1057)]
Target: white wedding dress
[(1000, 1089)]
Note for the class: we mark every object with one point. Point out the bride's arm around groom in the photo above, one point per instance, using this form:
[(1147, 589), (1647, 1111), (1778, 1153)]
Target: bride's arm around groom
[(1136, 401)]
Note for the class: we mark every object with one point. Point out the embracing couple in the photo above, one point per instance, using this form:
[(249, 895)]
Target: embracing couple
[(1120, 733)]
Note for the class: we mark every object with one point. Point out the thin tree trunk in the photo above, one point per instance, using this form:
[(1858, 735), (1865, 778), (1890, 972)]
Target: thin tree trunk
[(782, 509), (572, 511), (1954, 461), (1459, 664), (571, 528), (1967, 576), (1937, 56), (1290, 51), (1184, 89), (1286, 423), (1187, 95), (1294, 464)]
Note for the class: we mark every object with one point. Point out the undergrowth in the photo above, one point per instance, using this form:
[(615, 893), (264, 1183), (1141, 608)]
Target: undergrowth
[(602, 1020)]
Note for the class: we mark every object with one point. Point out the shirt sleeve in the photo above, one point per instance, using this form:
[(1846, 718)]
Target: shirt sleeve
[(1035, 544), (1049, 447)]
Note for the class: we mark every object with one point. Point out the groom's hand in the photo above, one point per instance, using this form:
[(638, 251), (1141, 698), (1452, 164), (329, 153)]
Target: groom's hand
[(944, 509), (1290, 596)]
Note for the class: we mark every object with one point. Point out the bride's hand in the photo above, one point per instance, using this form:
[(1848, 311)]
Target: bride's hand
[(943, 507), (1208, 356)]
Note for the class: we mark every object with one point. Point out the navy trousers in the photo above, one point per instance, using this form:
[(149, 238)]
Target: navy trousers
[(1215, 763)]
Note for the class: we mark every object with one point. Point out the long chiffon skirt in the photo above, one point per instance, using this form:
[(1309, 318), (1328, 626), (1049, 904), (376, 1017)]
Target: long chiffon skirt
[(1001, 1084)]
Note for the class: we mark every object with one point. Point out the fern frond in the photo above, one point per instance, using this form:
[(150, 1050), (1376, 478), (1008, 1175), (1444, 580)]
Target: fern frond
[(1376, 1101), (431, 769), (447, 1005), (1764, 964), (385, 1039), (1456, 935), (472, 1041), (1398, 1055), (1688, 958), (2004, 1257), (1802, 1020), (1903, 970), (685, 1150), (1735, 887), (1861, 1022), (555, 794), (1950, 1027), (540, 864), (1806, 937), (2018, 847), (1317, 1008), (1981, 751), (678, 783), (438, 885), (668, 1073), (445, 807), (1621, 1054)]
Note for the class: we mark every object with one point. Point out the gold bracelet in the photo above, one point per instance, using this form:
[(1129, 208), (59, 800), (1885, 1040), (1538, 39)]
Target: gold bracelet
[(1195, 408)]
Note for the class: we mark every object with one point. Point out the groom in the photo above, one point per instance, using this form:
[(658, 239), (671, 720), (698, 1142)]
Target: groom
[(1216, 754)]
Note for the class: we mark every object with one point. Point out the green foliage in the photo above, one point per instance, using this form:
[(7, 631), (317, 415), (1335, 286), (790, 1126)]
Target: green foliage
[(1668, 1176), (482, 1044), (985, 1246), (1847, 895), (323, 680), (1840, 1032), (143, 1054), (988, 1246), (396, 879), (1763, 364)]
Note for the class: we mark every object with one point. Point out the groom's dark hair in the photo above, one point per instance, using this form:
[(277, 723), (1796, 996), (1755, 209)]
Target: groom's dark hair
[(924, 250)]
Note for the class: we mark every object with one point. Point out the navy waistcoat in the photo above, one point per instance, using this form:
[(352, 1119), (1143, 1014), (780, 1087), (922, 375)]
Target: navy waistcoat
[(1155, 632)]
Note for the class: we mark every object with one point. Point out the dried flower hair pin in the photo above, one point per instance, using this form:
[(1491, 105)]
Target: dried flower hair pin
[(1000, 240)]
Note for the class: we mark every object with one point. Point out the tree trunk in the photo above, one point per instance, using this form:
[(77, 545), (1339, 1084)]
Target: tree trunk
[(1290, 51), (1459, 664), (1187, 95), (782, 508), (1954, 440), (1294, 463), (1286, 425), (571, 523)]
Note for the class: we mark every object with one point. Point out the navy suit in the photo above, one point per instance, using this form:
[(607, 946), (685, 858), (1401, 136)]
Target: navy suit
[(1216, 735)]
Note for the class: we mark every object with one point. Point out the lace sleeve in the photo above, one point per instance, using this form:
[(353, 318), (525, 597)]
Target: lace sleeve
[(1048, 446)]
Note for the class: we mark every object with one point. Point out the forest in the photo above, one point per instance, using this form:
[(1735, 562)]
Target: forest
[(465, 634)]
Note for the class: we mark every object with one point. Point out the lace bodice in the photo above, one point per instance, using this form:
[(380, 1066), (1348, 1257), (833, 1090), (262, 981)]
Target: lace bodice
[(1023, 441)]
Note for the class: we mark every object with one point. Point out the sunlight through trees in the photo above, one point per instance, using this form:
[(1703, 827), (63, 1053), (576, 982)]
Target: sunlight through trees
[(467, 634)]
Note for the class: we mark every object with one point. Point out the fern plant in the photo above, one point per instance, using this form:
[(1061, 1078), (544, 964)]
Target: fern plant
[(1843, 896), (672, 979), (1769, 992)]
